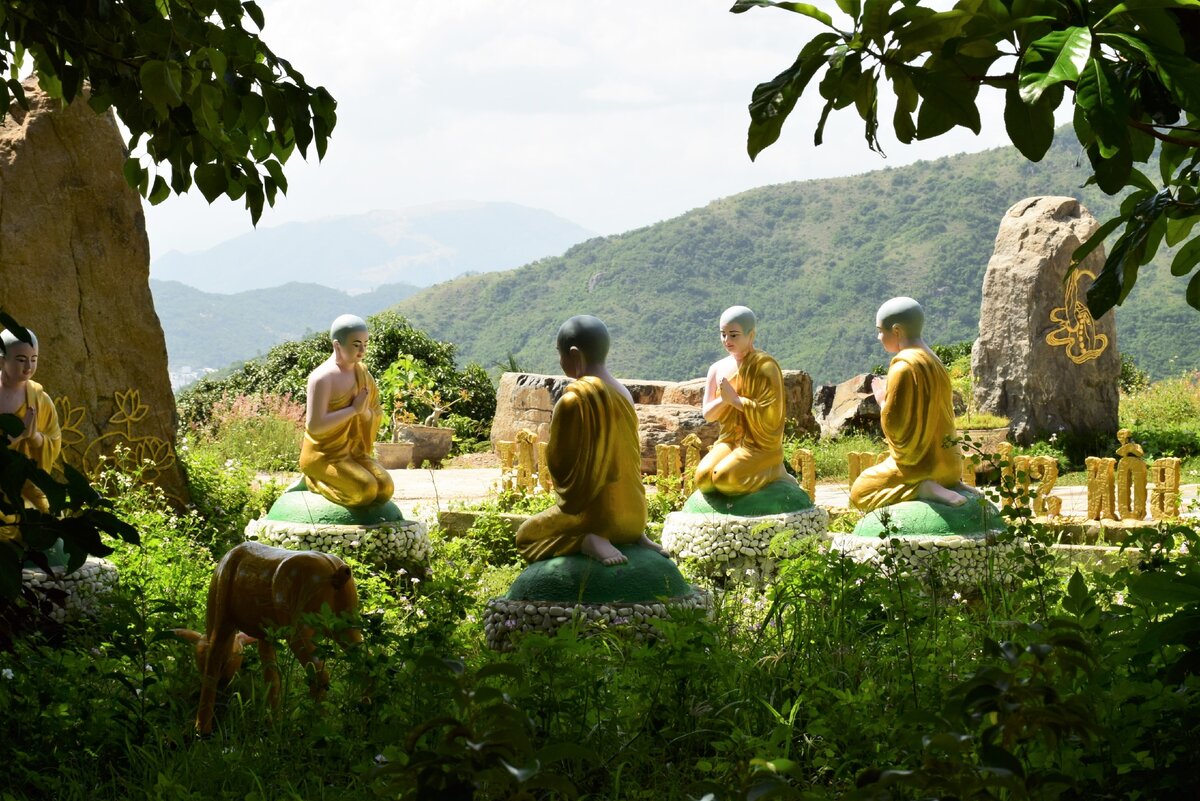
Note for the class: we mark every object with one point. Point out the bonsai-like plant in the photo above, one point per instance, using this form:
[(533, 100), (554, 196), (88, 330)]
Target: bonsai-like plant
[(408, 385)]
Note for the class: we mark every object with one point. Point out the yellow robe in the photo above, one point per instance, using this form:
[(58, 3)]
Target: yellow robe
[(46, 423), (340, 464), (917, 416), (748, 454), (596, 463)]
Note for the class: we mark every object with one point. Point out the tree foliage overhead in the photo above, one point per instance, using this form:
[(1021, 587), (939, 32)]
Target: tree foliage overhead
[(1132, 69), (198, 88)]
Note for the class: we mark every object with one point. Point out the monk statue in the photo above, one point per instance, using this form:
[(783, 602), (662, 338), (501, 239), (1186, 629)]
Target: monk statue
[(337, 455), (594, 459), (745, 394), (916, 412), (41, 438)]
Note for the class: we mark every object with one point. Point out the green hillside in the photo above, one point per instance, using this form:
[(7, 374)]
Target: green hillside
[(814, 259)]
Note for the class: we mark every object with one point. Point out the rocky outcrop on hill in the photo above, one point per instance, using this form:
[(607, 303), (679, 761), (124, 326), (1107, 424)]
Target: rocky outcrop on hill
[(1041, 360), (76, 267)]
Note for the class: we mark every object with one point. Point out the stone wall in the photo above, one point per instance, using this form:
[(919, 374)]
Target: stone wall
[(667, 411), (75, 268)]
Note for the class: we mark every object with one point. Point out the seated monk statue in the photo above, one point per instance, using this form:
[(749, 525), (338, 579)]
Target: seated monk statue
[(917, 415), (593, 456), (343, 417), (745, 394), (41, 439)]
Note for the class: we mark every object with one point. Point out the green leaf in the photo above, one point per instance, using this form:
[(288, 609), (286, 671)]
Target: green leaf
[(799, 8), (255, 14), (1178, 230), (1104, 102), (1030, 126), (1165, 588), (850, 7), (875, 19), (1096, 239), (773, 101), (1192, 295), (947, 100), (160, 192), (1142, 5), (162, 83), (212, 181), (1186, 258), (1056, 57)]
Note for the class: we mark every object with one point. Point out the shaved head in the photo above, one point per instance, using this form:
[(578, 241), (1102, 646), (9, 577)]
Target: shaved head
[(346, 325), (8, 339), (740, 315), (904, 312), (588, 334)]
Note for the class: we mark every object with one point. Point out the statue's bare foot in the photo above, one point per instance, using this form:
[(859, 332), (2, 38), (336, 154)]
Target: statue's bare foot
[(966, 489), (930, 490), (651, 544), (602, 550)]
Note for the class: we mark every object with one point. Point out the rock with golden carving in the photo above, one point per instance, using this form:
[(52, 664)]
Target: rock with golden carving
[(1041, 360)]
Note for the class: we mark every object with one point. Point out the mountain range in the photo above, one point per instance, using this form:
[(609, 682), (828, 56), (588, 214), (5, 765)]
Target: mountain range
[(813, 258), (207, 330), (420, 246)]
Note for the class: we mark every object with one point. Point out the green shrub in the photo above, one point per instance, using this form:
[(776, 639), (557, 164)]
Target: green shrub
[(1165, 416), (830, 454)]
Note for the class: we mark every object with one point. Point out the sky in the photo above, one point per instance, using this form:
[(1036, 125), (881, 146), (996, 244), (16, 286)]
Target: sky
[(614, 114)]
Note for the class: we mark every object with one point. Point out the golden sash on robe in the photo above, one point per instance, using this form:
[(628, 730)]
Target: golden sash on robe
[(340, 464), (595, 461), (748, 454), (917, 418)]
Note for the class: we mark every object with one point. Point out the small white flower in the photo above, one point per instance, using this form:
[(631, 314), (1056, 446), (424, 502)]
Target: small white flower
[(416, 580), (1119, 598), (7, 674)]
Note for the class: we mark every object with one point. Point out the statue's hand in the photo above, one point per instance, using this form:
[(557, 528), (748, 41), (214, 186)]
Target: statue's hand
[(728, 393), (360, 403), (29, 420)]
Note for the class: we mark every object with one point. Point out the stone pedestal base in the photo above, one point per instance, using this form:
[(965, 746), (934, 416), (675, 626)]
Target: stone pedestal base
[(379, 535), (730, 536), (84, 589), (576, 589), (955, 545), (736, 547)]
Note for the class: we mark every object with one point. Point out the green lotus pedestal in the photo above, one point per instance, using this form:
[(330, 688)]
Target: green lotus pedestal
[(302, 520), (731, 536), (576, 588), (955, 544)]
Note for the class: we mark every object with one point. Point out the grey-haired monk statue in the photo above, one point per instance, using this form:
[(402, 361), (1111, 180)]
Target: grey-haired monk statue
[(41, 438), (343, 418), (917, 415), (594, 458), (745, 394)]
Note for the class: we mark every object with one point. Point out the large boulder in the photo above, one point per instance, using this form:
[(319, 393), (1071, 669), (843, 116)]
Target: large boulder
[(670, 424), (848, 407), (1040, 359), (76, 268), (525, 400)]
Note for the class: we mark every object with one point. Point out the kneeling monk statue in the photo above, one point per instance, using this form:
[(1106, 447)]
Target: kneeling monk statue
[(917, 416), (41, 439), (593, 456), (745, 394), (343, 419)]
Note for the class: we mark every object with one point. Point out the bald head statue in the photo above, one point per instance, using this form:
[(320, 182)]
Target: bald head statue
[(903, 312), (586, 333), (742, 316), (8, 339), (346, 325)]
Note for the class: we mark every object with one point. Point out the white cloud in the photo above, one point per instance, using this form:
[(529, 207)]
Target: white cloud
[(612, 114)]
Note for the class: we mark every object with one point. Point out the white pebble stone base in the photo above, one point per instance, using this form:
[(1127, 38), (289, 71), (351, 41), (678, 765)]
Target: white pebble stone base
[(85, 588), (953, 560), (734, 546), (505, 618), (398, 542)]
